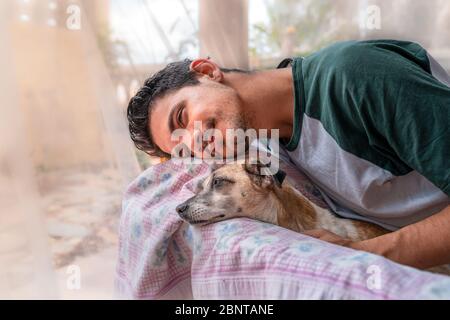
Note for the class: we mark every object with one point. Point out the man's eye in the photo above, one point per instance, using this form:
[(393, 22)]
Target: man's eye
[(180, 117)]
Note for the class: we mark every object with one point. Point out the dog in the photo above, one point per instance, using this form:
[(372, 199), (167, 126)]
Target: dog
[(243, 190)]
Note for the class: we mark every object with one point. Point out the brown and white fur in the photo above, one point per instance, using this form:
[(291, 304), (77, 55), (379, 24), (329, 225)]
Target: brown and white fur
[(241, 190)]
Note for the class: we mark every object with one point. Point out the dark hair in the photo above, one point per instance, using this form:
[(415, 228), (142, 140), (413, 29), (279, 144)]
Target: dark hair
[(174, 76)]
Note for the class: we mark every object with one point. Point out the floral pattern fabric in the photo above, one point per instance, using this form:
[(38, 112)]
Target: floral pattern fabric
[(162, 257)]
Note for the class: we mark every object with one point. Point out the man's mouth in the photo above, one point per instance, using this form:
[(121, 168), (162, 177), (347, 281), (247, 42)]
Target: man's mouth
[(209, 150)]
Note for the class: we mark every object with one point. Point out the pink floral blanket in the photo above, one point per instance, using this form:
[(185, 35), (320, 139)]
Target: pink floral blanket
[(162, 257)]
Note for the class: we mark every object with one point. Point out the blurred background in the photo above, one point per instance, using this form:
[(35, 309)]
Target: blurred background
[(68, 69)]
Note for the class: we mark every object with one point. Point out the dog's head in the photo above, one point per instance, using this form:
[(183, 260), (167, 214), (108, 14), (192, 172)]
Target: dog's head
[(234, 190)]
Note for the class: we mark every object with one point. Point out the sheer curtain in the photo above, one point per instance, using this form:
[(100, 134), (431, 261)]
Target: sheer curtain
[(65, 154)]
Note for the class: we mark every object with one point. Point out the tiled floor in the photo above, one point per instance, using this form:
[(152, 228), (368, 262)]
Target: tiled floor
[(80, 210)]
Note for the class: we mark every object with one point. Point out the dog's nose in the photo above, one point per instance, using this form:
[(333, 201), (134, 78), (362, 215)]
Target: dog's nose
[(181, 208)]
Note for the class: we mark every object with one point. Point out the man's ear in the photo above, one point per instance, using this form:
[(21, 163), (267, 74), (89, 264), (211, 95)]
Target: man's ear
[(206, 67)]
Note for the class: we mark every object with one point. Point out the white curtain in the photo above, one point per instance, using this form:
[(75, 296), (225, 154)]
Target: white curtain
[(65, 156)]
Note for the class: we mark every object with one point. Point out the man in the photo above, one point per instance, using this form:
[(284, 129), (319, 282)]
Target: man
[(366, 121)]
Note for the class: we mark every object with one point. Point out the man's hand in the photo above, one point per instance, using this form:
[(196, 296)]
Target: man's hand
[(424, 244)]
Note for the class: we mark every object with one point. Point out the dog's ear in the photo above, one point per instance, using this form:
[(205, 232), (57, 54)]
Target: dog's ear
[(279, 177), (260, 175), (257, 173), (253, 168)]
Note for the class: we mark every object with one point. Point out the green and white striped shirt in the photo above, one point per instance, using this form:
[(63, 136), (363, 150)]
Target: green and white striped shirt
[(371, 129)]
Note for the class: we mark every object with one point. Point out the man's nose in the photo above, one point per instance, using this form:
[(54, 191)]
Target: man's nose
[(181, 208)]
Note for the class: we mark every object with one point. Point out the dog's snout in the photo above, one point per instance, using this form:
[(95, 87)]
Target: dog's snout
[(182, 208)]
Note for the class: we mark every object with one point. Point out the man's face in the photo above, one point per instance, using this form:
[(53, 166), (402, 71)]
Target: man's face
[(214, 104)]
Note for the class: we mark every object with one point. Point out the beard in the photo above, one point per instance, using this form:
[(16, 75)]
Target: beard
[(240, 144)]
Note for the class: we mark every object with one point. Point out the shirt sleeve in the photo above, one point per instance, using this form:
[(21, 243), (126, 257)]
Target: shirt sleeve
[(411, 110)]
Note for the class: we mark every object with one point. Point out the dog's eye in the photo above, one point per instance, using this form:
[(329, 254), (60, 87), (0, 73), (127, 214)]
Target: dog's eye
[(218, 182)]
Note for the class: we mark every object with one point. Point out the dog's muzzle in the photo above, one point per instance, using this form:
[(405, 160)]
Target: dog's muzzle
[(181, 209)]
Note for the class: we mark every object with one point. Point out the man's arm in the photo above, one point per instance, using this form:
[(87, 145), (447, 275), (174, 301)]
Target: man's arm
[(424, 244)]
